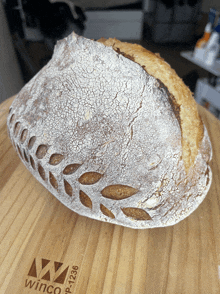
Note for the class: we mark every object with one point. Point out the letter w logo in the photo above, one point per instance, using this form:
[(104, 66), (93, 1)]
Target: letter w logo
[(48, 270)]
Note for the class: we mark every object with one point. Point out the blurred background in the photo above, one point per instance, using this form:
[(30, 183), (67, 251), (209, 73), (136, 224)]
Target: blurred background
[(29, 29)]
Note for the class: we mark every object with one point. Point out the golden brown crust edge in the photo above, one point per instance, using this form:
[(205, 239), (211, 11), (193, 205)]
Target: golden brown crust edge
[(190, 121)]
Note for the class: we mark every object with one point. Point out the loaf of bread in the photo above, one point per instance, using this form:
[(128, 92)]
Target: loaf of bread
[(114, 134)]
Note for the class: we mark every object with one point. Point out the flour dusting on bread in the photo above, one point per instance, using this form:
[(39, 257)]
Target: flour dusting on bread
[(114, 134)]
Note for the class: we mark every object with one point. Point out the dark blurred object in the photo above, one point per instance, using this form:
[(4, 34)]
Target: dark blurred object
[(102, 4), (32, 56), (14, 18), (174, 21), (40, 19), (168, 3), (36, 25), (53, 18), (192, 2), (49, 18), (191, 79), (11, 79)]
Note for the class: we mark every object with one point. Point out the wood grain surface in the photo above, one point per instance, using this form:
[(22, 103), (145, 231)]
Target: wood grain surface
[(46, 248)]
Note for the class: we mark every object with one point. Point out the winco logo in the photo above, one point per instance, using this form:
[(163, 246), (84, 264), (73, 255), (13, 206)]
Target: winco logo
[(44, 271)]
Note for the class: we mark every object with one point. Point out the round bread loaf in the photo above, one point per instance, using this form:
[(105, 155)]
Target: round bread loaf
[(113, 133)]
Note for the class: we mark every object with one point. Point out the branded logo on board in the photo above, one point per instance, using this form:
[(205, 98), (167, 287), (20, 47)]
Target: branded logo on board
[(48, 270), (50, 276)]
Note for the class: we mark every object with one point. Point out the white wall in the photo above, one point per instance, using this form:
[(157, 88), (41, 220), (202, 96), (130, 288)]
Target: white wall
[(10, 75)]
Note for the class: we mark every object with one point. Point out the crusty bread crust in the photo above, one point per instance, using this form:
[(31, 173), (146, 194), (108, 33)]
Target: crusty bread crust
[(190, 121), (108, 139)]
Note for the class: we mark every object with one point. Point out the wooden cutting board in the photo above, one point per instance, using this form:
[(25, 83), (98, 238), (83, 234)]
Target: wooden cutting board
[(46, 248)]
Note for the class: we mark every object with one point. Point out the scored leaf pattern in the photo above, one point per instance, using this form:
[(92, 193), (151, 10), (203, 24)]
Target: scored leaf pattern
[(25, 156), (56, 159), (53, 181), (106, 211), (136, 213), (31, 142), (68, 188), (85, 200), (41, 151), (118, 192), (23, 135), (17, 128), (71, 168), (32, 162), (114, 192), (12, 119), (41, 172), (90, 178)]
